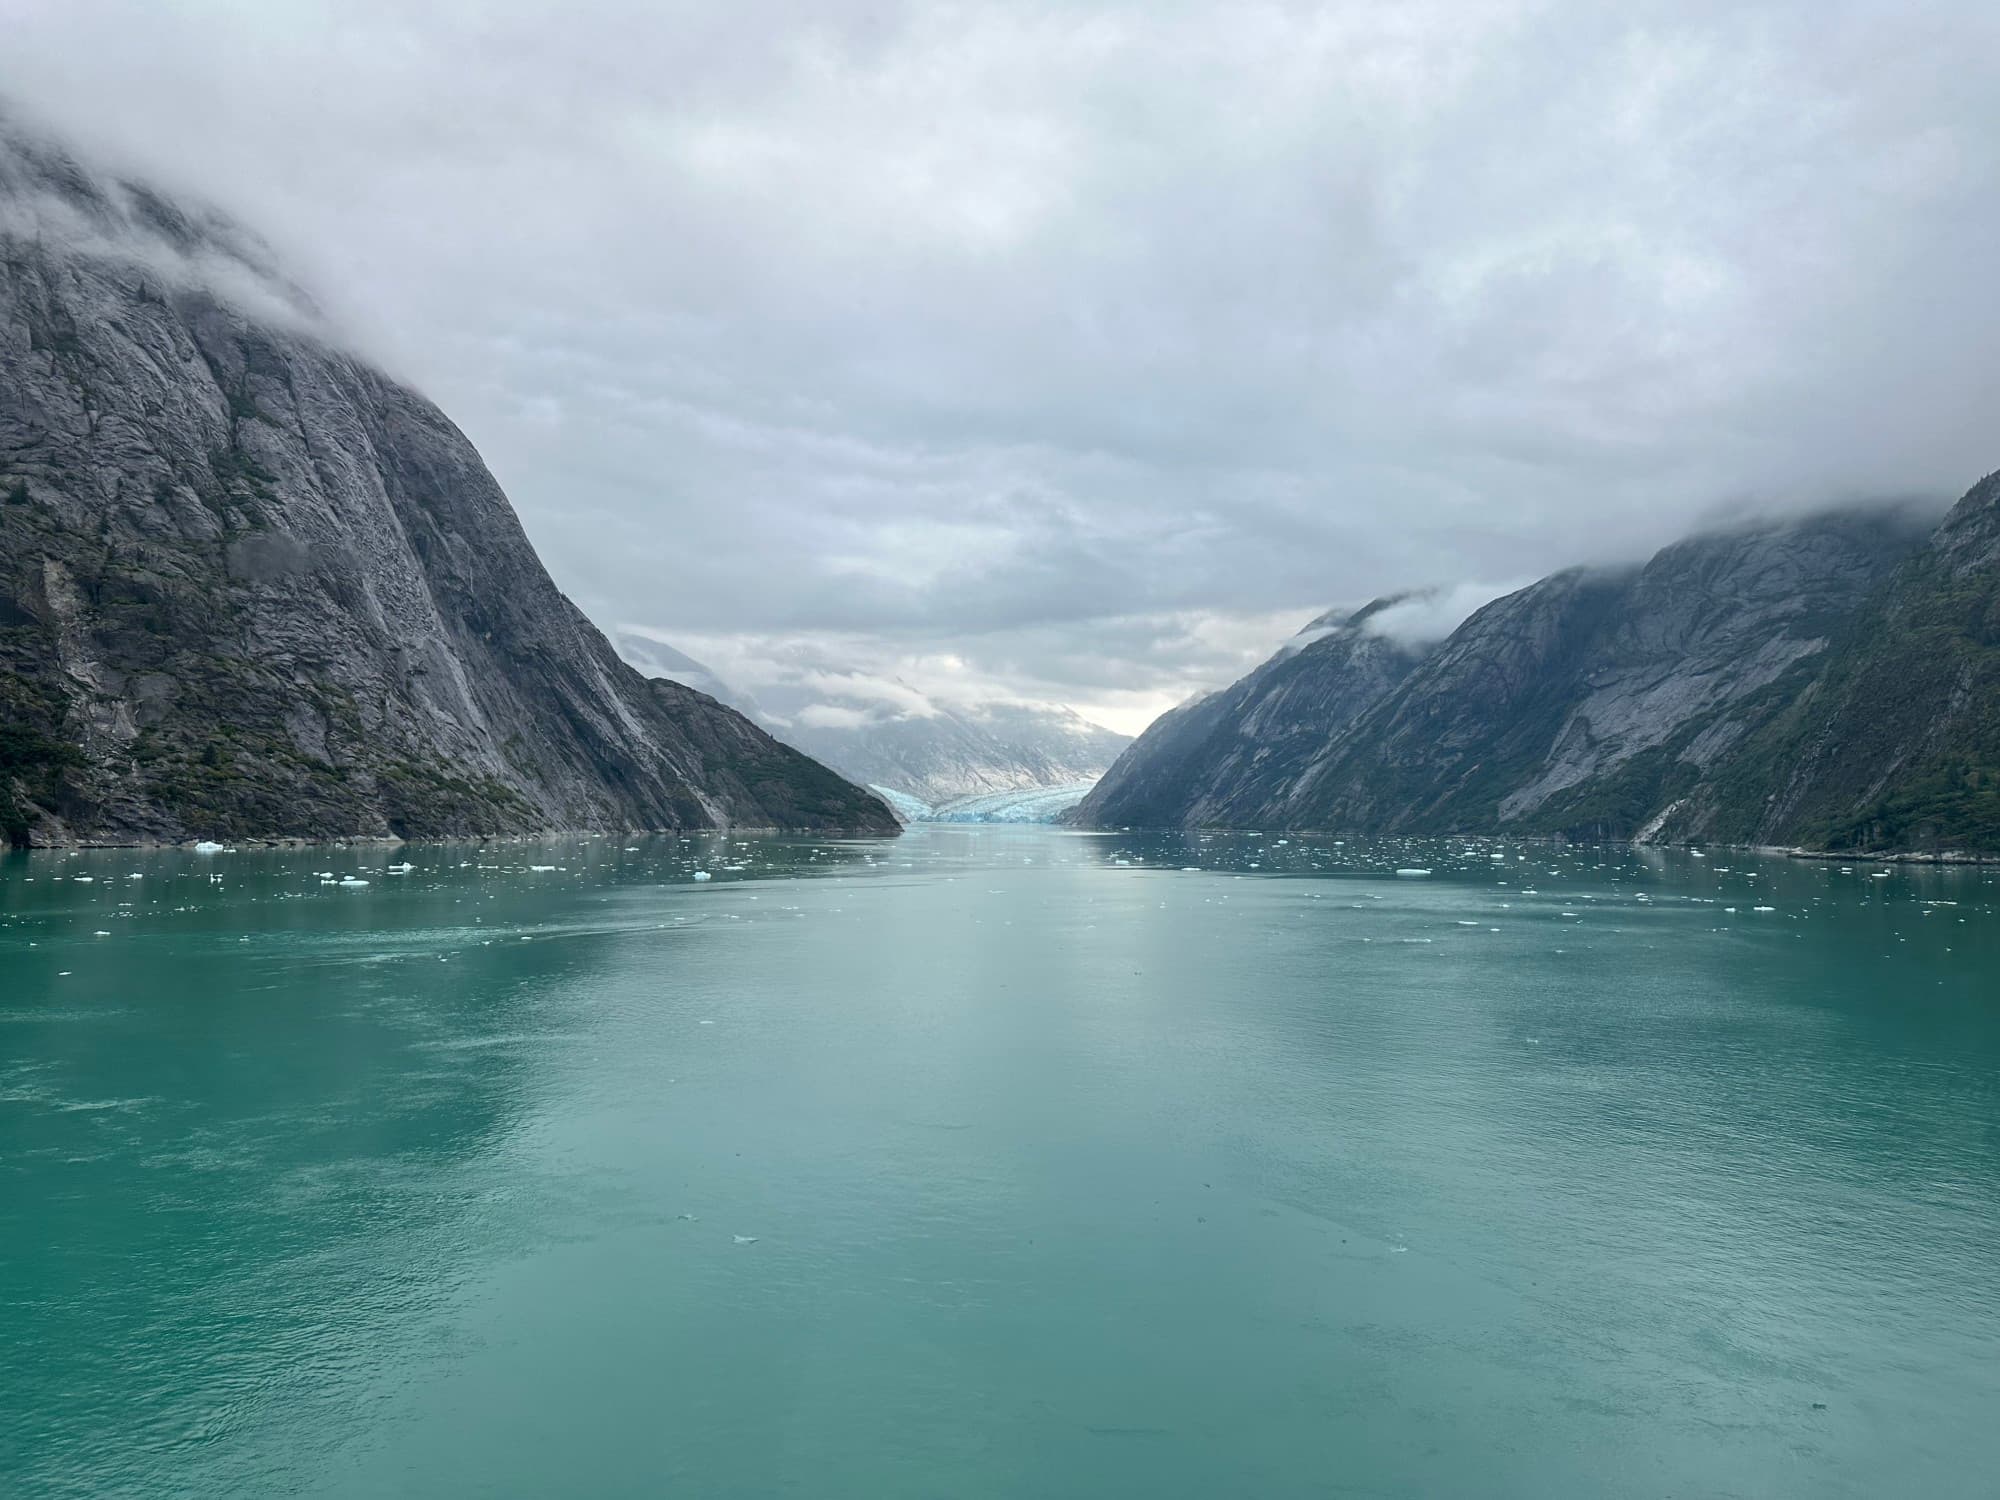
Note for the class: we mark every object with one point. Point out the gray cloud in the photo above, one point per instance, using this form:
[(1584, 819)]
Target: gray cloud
[(1081, 352)]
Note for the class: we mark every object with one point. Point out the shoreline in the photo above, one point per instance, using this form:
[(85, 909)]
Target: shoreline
[(1774, 851), (392, 841)]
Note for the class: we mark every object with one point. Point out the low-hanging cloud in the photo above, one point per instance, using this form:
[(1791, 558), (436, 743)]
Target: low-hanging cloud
[(1004, 333), (1431, 615)]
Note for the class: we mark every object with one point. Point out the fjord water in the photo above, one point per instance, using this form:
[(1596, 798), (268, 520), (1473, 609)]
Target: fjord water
[(997, 1162)]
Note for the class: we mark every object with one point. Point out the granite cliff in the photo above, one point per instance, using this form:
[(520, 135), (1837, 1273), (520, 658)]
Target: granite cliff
[(1822, 681), (252, 586)]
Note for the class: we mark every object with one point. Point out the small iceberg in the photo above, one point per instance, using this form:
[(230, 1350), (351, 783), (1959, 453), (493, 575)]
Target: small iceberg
[(352, 882), (703, 875), (208, 846), (1412, 873)]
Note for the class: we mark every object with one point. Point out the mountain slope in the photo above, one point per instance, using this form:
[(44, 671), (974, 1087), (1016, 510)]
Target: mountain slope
[(1896, 746), (1220, 758), (1595, 702), (251, 586)]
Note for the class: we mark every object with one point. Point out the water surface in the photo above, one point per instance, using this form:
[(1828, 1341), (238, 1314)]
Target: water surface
[(997, 1162)]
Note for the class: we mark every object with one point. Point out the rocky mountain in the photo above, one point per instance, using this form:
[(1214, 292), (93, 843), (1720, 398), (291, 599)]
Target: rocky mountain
[(1895, 744), (1209, 760), (252, 586), (891, 736), (1650, 702)]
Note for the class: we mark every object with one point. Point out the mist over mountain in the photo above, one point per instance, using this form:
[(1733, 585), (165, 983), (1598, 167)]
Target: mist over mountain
[(1002, 344), (251, 586), (1828, 682), (887, 734)]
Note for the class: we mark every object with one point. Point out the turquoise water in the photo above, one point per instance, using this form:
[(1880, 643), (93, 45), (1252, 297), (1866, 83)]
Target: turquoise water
[(997, 1162)]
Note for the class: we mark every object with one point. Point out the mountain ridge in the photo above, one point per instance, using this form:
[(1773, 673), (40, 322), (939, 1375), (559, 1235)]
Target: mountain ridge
[(1671, 700), (251, 586)]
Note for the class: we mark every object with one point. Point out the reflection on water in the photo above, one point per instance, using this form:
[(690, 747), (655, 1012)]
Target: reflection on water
[(997, 1162)]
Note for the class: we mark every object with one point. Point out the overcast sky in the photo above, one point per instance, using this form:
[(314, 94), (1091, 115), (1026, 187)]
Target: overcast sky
[(1078, 352)]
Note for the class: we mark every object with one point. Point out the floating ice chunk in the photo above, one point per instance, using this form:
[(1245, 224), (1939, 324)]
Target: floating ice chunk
[(83, 879), (402, 869), (353, 882), (208, 846), (541, 869), (1413, 873), (703, 875), (102, 933), (746, 1239)]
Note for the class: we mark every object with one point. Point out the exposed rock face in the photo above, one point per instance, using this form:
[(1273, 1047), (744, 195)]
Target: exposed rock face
[(1594, 703), (1895, 745), (1221, 759), (251, 586)]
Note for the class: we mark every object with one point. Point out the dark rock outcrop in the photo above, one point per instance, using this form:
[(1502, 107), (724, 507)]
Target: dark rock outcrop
[(251, 586)]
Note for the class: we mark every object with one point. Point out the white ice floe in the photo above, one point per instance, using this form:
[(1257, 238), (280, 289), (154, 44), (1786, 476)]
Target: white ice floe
[(208, 846), (1413, 873), (703, 875)]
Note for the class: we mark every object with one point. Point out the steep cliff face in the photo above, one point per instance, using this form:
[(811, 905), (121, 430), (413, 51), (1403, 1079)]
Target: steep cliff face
[(1595, 703), (1896, 744), (251, 586), (1223, 758)]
